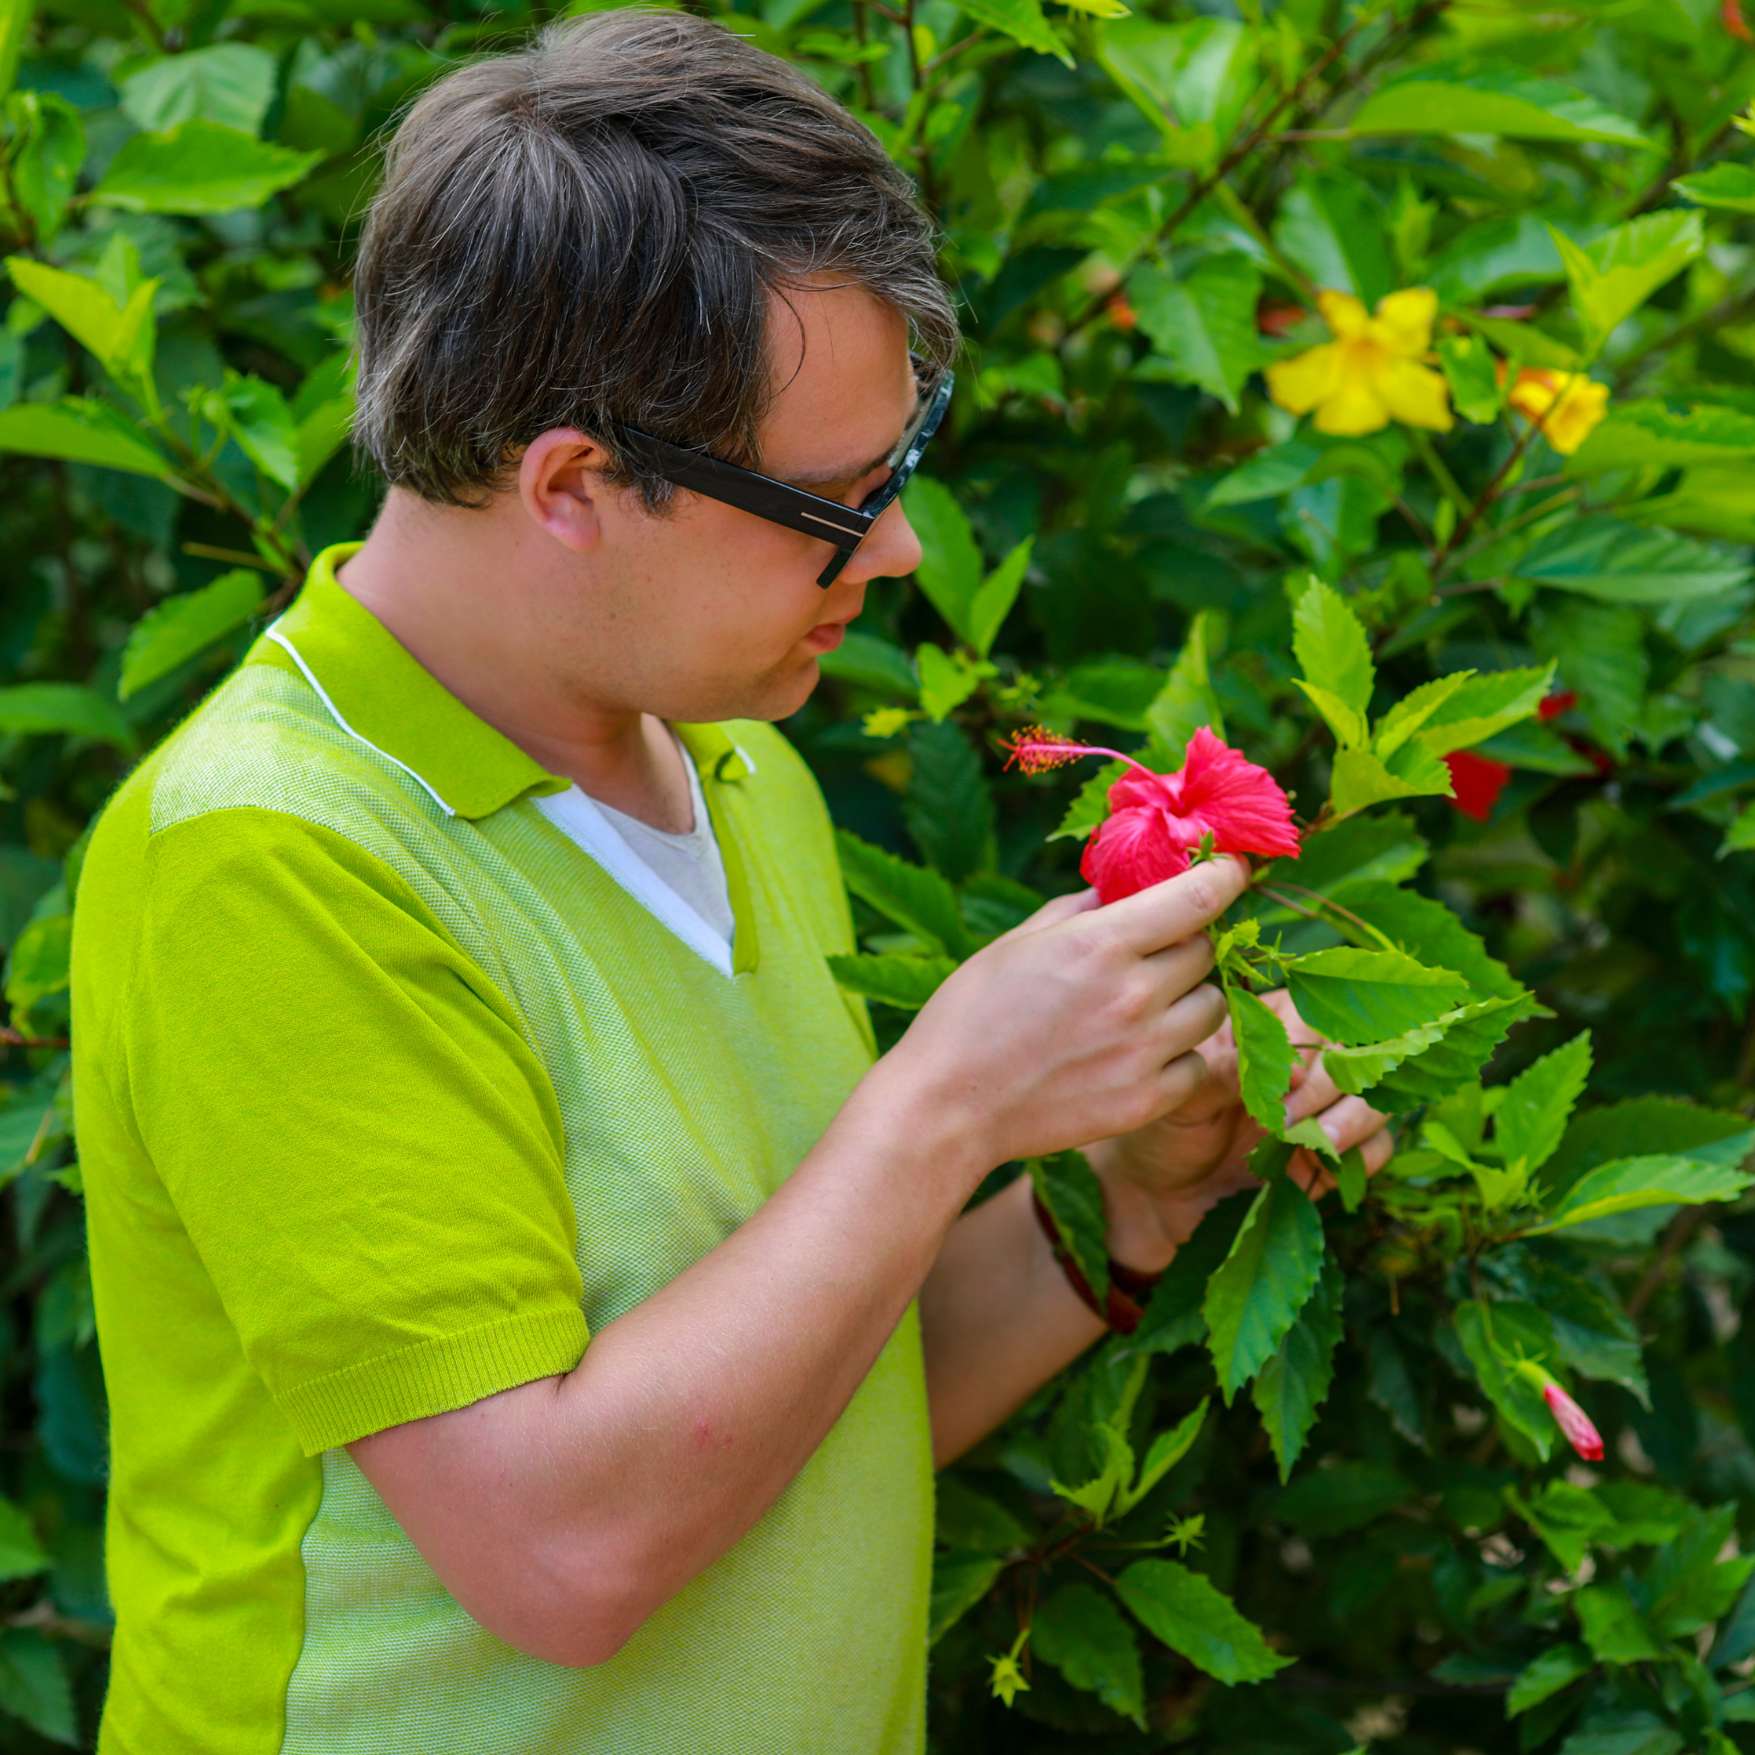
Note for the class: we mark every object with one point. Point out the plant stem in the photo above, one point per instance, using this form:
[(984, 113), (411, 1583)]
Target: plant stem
[(1439, 470)]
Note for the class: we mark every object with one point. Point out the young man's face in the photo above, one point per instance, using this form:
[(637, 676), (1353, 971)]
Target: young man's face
[(708, 613)]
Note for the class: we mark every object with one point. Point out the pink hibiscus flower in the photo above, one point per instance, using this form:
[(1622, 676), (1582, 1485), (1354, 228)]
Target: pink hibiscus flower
[(1156, 820)]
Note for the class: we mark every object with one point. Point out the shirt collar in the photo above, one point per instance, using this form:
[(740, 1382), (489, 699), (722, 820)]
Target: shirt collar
[(380, 693)]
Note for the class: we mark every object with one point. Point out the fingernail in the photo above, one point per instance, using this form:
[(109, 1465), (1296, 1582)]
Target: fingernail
[(1332, 1128)]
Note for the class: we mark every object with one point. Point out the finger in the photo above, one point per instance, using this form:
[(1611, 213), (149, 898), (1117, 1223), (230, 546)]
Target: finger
[(1165, 913), (1378, 1150), (1051, 913), (1350, 1122), (1180, 967), (1190, 1020), (1307, 1170), (1315, 1092)]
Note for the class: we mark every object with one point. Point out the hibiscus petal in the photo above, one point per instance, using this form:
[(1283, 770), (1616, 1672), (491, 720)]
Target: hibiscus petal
[(1415, 395), (1298, 384), (1354, 408), (1243, 804), (1130, 851), (1405, 319), (1343, 313), (1137, 791)]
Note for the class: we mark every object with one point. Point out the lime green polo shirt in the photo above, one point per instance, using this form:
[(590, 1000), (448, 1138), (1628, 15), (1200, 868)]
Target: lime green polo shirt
[(388, 1097)]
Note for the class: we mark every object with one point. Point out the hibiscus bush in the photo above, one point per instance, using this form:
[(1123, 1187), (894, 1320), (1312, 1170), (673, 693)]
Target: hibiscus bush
[(1349, 465)]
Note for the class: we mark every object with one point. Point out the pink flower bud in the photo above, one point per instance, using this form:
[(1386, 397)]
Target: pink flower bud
[(1574, 1422)]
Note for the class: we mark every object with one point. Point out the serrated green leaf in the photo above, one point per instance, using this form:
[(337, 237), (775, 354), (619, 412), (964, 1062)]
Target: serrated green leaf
[(1265, 1057), (1645, 1127), (1187, 701), (1348, 724), (231, 83), (1653, 435), (892, 979), (1021, 20), (948, 808), (1332, 647), (1173, 1316), (950, 566), (1412, 711), (1630, 1183), (1428, 931), (1183, 1609), (1359, 998), (1558, 1667), (1729, 186), (1361, 778), (911, 895), (1612, 1626), (1482, 705), (1616, 273), (1111, 691), (1333, 227), (1203, 324), (1261, 1285), (959, 1582), (1493, 1336), (1381, 849), (1600, 651), (1090, 805), (34, 1685), (172, 632), (1166, 1451), (1268, 475), (262, 423), (1537, 1104), (1341, 1497), (119, 333), (199, 167), (1292, 1385), (1470, 1036), (1073, 1196), (1605, 558), (1475, 390), (1083, 1634), (1569, 1520), (873, 663)]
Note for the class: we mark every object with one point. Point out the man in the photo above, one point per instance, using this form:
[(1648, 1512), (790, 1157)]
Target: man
[(530, 1316)]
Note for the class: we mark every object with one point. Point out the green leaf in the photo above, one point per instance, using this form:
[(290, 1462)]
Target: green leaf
[(1074, 1198), (1265, 1057), (1602, 557), (50, 147), (257, 416), (1344, 1496), (950, 566), (1652, 435), (1021, 20), (1428, 931), (959, 1582), (1723, 185), (79, 430), (1475, 390), (1361, 778), (1082, 1633), (902, 981), (1612, 1626), (1569, 1520), (1614, 275), (1173, 1316), (1182, 1609), (1187, 700), (1630, 1183), (21, 1554), (949, 810), (1600, 648), (1493, 1336), (172, 632), (1112, 691), (1269, 475), (1332, 648), (1382, 849), (1483, 705), (873, 663), (1558, 1667), (1500, 101), (1687, 1587), (1204, 323), (1471, 1033), (1359, 998), (1356, 1070), (121, 335), (1293, 1383), (1644, 1126), (1096, 1497), (199, 167), (1333, 228), (1167, 1450), (968, 1519), (1259, 1288), (34, 1685), (232, 83), (945, 683), (28, 709), (1091, 803), (995, 596), (912, 896), (1533, 1113)]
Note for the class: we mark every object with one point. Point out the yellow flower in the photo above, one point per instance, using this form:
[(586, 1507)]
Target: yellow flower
[(1372, 372), (1568, 404)]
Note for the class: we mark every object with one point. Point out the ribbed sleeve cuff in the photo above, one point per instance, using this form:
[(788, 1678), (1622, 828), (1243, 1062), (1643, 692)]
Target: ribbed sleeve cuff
[(434, 1377)]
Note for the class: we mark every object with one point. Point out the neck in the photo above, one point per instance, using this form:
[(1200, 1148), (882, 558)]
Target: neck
[(439, 578)]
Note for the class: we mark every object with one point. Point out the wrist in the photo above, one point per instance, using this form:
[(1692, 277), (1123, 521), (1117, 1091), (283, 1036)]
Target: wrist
[(1145, 1228), (930, 1120)]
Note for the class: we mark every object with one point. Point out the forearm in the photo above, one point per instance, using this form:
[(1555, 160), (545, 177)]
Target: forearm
[(686, 1417)]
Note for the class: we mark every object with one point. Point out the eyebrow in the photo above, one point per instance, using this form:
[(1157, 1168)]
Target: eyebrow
[(855, 471)]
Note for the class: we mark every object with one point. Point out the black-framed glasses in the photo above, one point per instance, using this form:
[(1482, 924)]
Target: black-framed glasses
[(797, 508)]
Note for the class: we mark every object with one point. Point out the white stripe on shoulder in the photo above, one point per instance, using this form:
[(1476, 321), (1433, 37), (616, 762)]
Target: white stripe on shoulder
[(280, 639)]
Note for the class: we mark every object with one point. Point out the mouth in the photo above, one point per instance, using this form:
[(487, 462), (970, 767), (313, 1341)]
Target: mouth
[(826, 636)]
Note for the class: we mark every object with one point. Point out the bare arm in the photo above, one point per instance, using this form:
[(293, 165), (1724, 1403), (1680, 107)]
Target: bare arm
[(563, 1513)]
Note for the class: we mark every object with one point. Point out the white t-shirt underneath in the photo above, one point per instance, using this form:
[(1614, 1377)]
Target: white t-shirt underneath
[(680, 878)]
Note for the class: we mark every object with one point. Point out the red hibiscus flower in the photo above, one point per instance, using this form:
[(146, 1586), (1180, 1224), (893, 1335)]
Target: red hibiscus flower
[(1156, 821), (1731, 11)]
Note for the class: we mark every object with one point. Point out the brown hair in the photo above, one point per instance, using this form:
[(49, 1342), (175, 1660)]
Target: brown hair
[(589, 230)]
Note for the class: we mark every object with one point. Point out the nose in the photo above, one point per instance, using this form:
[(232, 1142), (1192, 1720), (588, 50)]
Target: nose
[(890, 550)]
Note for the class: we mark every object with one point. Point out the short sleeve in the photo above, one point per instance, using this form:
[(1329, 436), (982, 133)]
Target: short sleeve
[(366, 1152)]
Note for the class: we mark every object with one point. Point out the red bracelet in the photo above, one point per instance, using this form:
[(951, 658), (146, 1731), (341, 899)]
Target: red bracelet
[(1128, 1287)]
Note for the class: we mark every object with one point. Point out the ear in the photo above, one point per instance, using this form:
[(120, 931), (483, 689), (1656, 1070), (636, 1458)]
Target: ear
[(561, 484)]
